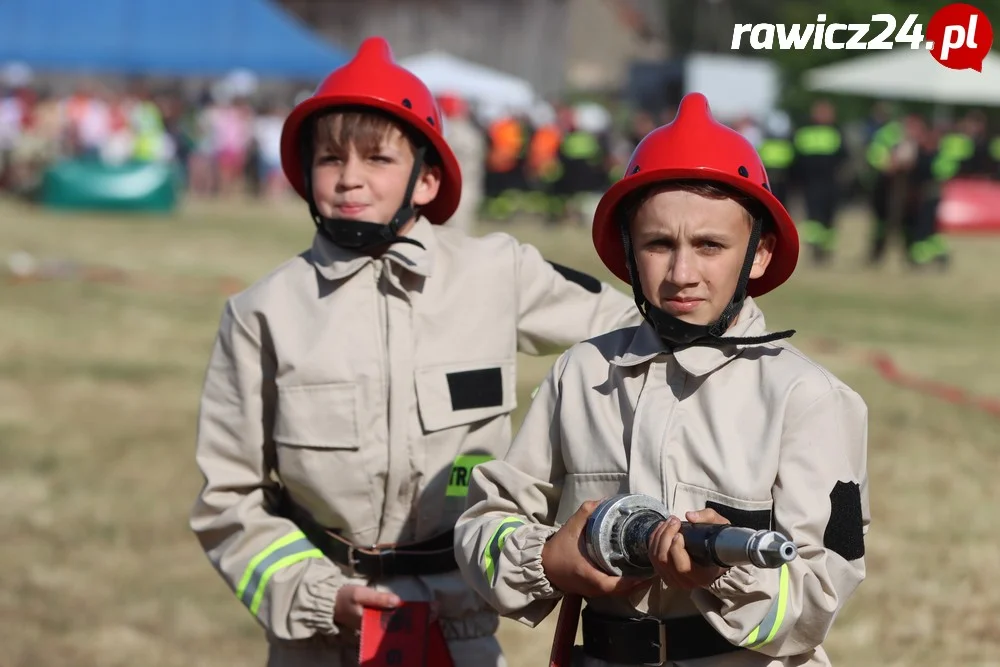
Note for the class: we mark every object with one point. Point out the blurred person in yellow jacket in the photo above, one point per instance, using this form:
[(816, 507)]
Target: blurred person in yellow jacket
[(817, 169)]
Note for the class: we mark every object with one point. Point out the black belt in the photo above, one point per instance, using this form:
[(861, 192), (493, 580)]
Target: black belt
[(432, 556), (650, 641)]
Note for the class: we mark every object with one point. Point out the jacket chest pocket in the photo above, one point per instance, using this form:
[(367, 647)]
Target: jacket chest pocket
[(317, 443), (322, 416), (455, 403), (755, 514), (578, 488), (454, 394)]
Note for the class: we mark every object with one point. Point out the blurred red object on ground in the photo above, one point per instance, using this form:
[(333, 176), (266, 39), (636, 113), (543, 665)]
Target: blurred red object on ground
[(970, 206)]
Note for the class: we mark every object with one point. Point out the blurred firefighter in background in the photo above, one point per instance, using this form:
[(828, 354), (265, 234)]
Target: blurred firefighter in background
[(777, 153), (507, 139), (820, 157)]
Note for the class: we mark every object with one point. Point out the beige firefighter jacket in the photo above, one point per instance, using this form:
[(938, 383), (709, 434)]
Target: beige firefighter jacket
[(758, 429), (369, 387)]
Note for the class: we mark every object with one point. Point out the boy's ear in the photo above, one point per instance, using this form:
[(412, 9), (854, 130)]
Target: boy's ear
[(761, 259), (428, 184)]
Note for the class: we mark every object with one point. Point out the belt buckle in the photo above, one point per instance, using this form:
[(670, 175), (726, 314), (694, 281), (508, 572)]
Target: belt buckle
[(377, 555), (352, 558), (354, 554), (662, 644)]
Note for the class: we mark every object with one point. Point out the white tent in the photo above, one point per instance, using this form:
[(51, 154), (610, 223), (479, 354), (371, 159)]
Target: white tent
[(909, 74), (477, 84)]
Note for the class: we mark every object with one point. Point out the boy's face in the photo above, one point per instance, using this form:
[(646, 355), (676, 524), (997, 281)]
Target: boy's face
[(368, 185), (689, 250)]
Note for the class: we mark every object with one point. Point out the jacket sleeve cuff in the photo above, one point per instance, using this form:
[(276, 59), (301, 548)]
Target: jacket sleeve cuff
[(526, 557), (317, 602)]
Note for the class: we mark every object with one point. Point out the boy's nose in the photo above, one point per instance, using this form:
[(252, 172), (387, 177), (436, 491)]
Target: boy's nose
[(350, 174), (682, 268)]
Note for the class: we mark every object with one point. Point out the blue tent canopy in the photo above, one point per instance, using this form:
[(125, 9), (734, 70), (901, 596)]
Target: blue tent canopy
[(162, 37)]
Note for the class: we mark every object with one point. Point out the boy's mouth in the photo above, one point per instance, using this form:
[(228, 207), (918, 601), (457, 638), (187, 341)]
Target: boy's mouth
[(683, 304), (350, 210)]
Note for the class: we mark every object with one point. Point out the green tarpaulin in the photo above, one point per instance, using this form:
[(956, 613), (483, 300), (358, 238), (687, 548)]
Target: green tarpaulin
[(92, 185)]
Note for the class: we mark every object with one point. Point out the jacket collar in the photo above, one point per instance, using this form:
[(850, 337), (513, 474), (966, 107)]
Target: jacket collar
[(336, 263), (696, 360)]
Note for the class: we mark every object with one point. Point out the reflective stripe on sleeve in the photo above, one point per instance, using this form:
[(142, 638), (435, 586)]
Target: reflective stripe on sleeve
[(281, 553), (495, 546), (769, 627)]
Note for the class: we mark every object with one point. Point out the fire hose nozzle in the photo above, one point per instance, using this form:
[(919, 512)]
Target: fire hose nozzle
[(617, 539)]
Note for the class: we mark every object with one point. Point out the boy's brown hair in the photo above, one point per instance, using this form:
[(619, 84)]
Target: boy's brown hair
[(709, 189), (366, 129)]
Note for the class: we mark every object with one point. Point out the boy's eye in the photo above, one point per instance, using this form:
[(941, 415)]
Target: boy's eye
[(329, 159), (380, 158)]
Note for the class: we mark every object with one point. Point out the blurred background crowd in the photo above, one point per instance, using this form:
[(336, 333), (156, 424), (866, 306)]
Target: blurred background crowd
[(550, 159), (528, 148)]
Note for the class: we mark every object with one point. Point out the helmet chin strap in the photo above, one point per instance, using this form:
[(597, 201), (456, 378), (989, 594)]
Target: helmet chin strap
[(674, 331), (363, 236)]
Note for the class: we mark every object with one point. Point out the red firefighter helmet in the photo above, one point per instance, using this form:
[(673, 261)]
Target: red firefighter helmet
[(373, 79), (696, 146), (452, 105)]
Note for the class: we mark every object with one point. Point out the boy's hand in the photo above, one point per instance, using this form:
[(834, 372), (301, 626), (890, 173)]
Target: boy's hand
[(565, 562), (672, 562), (351, 601)]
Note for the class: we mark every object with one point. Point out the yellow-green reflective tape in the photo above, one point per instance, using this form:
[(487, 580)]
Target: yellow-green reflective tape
[(495, 546), (281, 553), (769, 627), (461, 474)]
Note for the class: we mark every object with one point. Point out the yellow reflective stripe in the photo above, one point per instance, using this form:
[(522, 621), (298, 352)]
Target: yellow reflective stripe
[(461, 474), (281, 553), (495, 546), (889, 134), (580, 146), (995, 148), (776, 153), (775, 615), (817, 140), (279, 565), (878, 156), (255, 561), (956, 146)]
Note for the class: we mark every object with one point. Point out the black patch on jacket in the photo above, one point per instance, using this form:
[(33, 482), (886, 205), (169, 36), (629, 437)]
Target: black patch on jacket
[(482, 388), (844, 532), (587, 282), (754, 519)]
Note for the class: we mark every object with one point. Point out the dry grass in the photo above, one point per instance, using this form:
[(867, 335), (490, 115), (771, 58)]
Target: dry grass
[(99, 385)]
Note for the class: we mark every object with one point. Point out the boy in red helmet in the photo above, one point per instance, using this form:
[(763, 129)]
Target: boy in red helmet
[(351, 391), (699, 407)]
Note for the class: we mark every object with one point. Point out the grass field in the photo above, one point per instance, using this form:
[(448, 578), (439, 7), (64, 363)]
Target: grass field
[(98, 392)]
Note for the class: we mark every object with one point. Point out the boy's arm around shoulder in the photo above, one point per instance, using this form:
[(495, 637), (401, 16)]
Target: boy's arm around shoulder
[(821, 502), (282, 579), (559, 306), (511, 510)]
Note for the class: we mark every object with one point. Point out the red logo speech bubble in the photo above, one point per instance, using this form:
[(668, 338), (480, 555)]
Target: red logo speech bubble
[(959, 36)]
